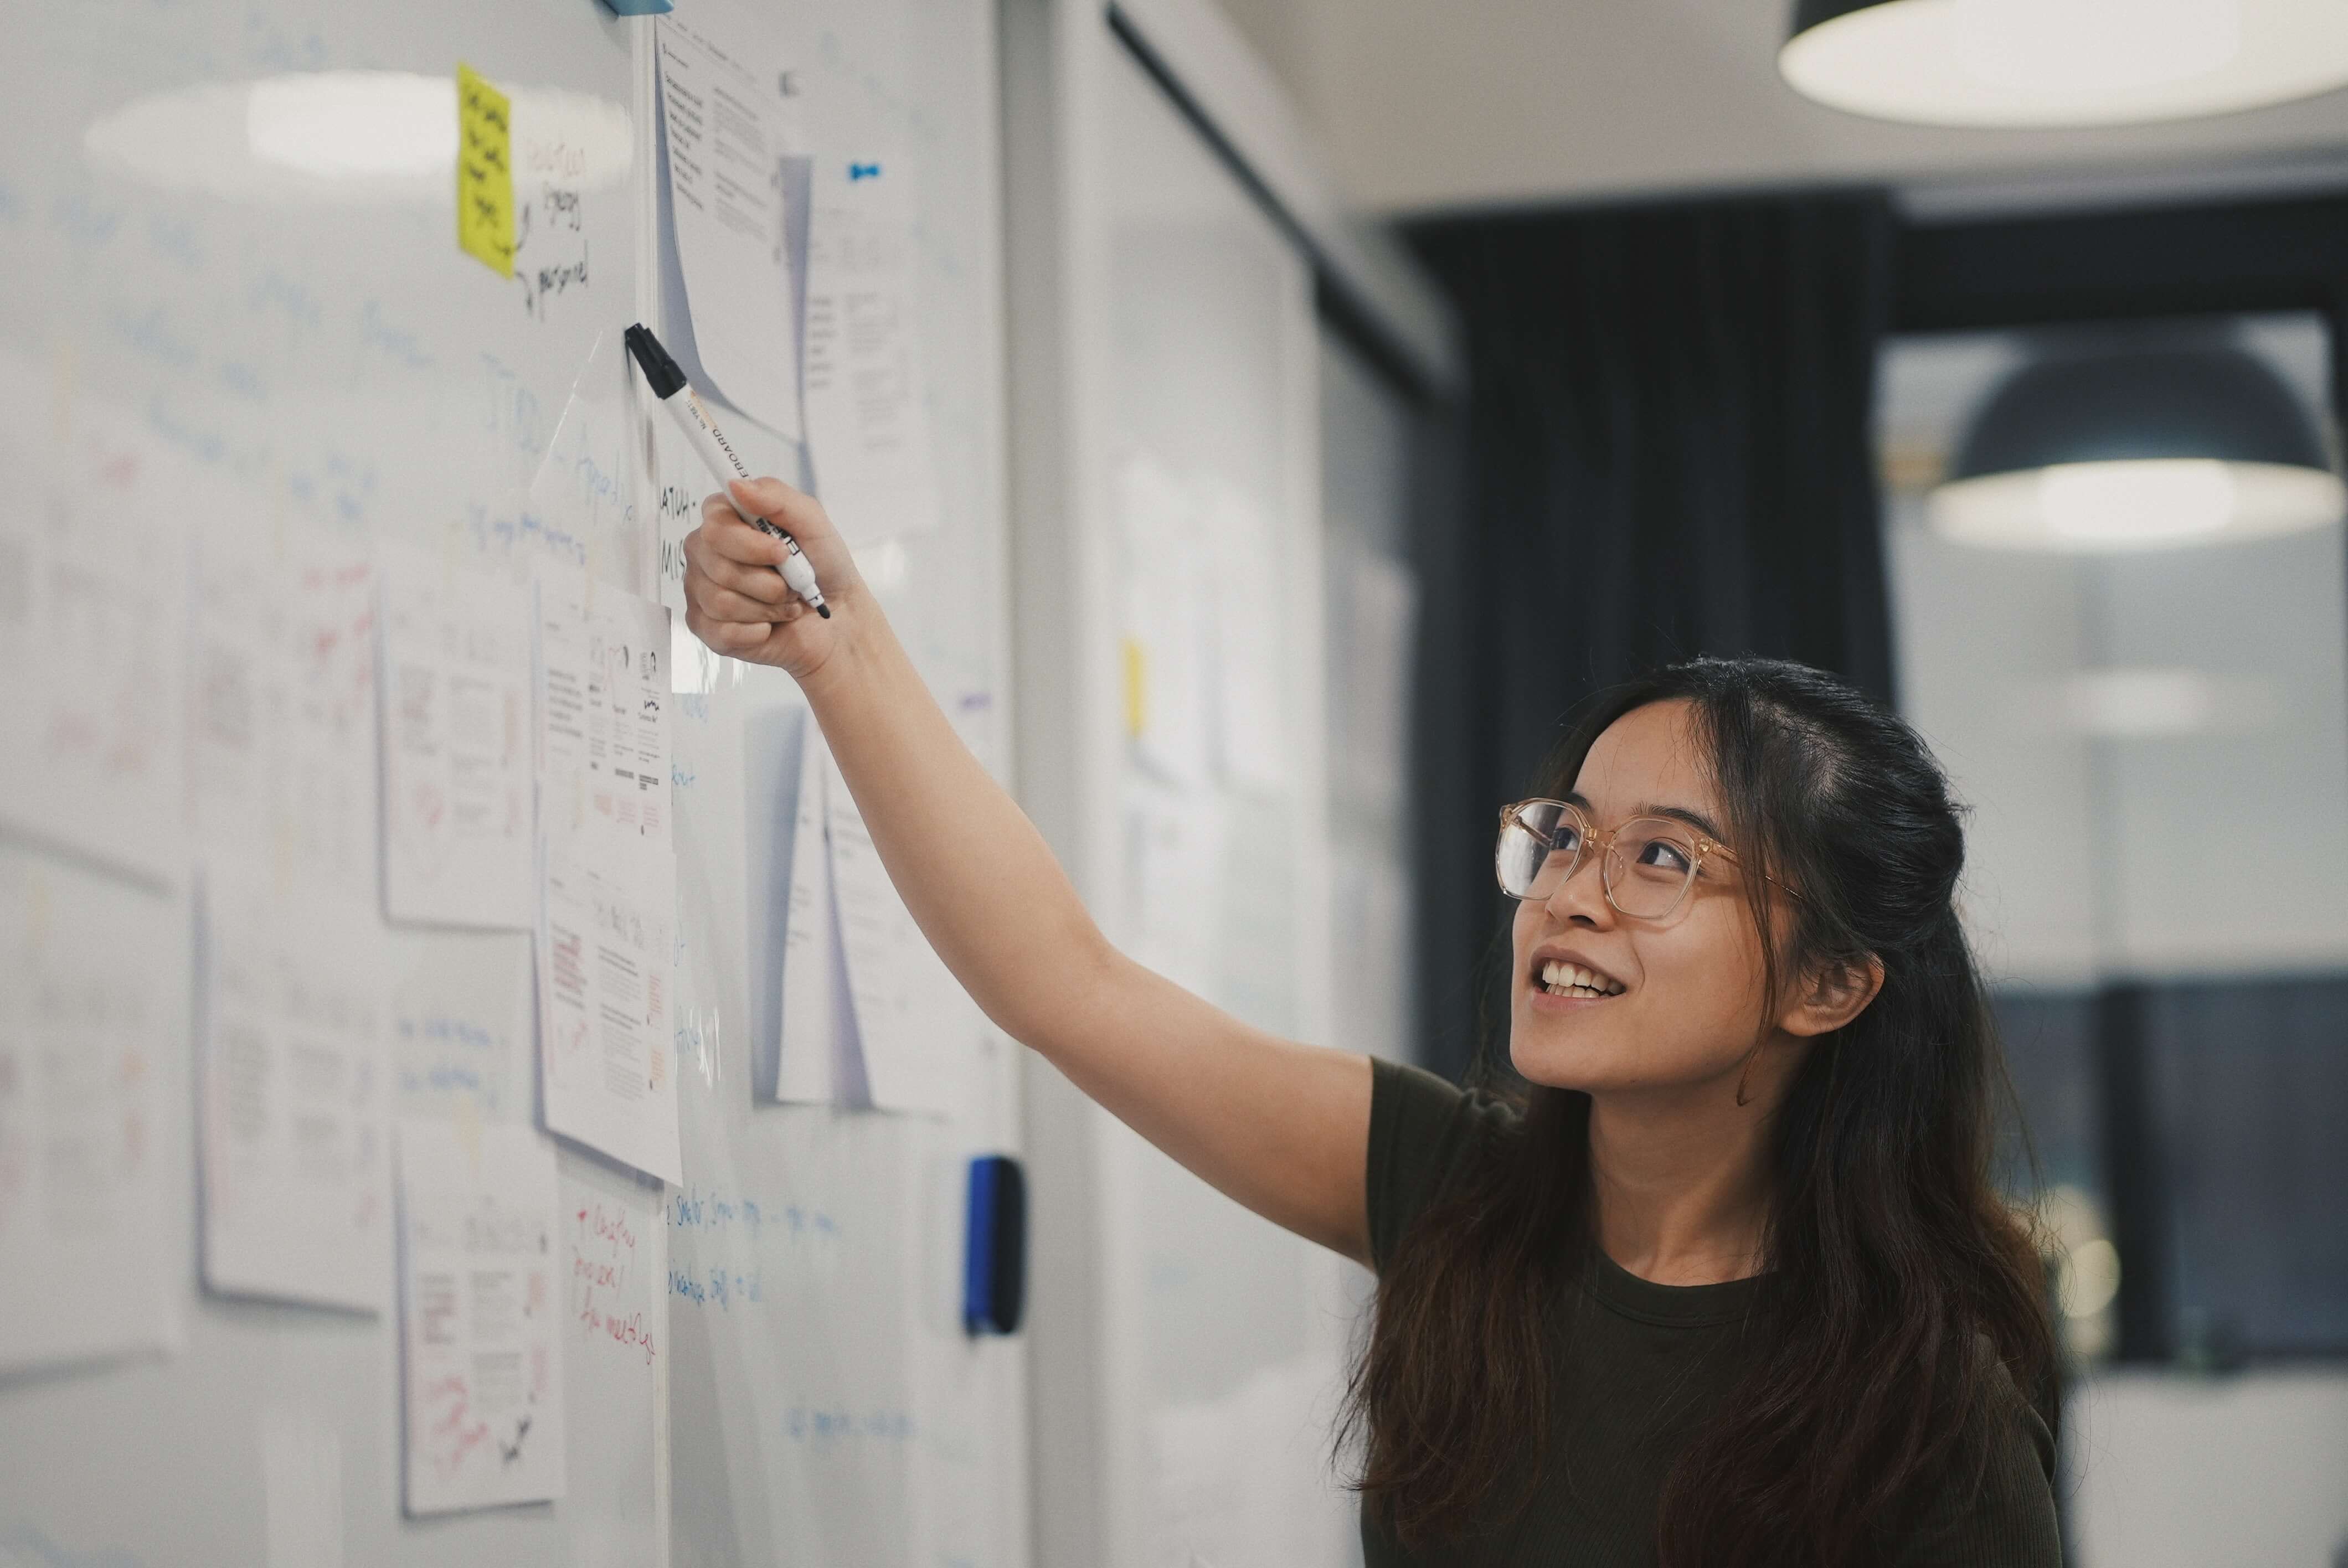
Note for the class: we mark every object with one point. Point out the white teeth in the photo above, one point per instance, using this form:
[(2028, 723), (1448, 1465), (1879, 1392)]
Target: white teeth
[(1568, 979)]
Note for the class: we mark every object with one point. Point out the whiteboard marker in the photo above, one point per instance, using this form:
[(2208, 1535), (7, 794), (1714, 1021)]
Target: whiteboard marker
[(692, 418)]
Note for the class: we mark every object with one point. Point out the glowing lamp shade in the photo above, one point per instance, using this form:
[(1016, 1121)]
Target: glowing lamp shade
[(2062, 62), (2136, 450)]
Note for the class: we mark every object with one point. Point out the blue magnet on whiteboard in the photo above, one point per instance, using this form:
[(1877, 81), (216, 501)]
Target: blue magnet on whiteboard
[(640, 7), (995, 1262)]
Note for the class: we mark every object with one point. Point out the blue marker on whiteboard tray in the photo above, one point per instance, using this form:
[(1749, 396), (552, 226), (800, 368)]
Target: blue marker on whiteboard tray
[(667, 381), (994, 1246)]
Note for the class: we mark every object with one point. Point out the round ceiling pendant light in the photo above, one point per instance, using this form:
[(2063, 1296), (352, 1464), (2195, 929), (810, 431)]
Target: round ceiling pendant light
[(2054, 62), (2136, 449)]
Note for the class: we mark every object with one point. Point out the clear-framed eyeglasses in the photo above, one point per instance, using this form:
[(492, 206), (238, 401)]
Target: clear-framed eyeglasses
[(1646, 866)]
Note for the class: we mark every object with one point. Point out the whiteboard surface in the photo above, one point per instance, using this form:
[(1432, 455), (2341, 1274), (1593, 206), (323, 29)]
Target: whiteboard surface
[(308, 355)]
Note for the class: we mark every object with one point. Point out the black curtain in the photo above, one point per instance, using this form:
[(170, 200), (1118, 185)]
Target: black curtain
[(1666, 450)]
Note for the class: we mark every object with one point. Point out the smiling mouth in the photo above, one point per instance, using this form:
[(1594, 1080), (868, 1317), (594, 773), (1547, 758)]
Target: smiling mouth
[(1559, 979)]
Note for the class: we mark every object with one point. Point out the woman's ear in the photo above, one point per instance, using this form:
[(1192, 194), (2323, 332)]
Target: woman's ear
[(1837, 992)]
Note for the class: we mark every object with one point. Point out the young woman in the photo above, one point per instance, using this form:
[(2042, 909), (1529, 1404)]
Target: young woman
[(1729, 1285)]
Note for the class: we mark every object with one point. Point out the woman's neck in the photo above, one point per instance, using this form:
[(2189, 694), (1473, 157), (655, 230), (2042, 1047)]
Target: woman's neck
[(1682, 1192)]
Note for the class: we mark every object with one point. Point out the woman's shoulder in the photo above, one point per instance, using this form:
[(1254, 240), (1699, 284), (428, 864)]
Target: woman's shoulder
[(1994, 1506), (1422, 1130)]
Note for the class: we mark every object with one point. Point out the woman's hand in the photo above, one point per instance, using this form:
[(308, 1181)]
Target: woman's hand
[(736, 600)]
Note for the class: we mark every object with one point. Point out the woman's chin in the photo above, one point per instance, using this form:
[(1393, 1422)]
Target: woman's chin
[(1555, 1059), (1579, 1051)]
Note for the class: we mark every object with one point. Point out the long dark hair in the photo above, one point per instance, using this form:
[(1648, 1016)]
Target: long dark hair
[(1896, 1279)]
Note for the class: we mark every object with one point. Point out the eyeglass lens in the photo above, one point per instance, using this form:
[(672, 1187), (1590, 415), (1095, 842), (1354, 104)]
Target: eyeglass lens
[(1648, 863)]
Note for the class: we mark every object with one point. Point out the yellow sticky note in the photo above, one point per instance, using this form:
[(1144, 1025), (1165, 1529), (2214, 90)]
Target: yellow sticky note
[(1137, 688), (485, 206)]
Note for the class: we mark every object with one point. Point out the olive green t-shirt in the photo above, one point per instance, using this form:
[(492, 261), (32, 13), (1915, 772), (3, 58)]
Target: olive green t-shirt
[(1640, 1366)]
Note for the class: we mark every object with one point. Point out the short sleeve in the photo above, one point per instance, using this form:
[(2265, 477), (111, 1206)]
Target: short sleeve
[(1422, 1128)]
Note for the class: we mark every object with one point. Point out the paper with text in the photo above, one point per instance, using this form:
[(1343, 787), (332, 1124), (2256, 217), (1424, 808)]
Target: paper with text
[(1242, 551), (767, 738), (462, 1040), (282, 759), (710, 1003), (606, 935), (1169, 620), (816, 1015), (93, 705), (456, 841), (479, 1310), (728, 129), (92, 998), (296, 1198), (1173, 871), (916, 1030), (1378, 632), (866, 400)]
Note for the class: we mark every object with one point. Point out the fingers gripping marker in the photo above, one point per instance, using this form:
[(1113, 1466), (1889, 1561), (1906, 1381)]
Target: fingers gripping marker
[(668, 385)]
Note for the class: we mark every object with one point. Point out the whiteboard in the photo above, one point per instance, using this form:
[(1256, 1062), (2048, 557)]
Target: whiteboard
[(286, 342), (1172, 746), (842, 1417)]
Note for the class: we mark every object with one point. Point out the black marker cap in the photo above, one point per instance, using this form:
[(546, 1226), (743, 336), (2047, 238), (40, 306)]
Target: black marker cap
[(659, 369)]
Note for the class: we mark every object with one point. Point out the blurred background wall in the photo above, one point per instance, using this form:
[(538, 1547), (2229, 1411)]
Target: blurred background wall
[(1727, 349)]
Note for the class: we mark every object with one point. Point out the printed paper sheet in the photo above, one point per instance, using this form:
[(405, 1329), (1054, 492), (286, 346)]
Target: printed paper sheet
[(458, 847), (92, 1026), (296, 1196), (607, 932), (867, 399), (92, 708), (916, 1030), (728, 132), (480, 1313), (282, 759)]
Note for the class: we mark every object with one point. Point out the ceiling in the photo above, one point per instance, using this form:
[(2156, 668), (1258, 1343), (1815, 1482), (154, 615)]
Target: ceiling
[(1424, 108)]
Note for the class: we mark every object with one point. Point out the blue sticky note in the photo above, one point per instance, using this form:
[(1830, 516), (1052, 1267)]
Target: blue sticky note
[(640, 7)]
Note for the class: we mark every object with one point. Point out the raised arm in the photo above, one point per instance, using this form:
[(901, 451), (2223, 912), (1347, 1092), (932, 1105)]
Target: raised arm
[(1282, 1127)]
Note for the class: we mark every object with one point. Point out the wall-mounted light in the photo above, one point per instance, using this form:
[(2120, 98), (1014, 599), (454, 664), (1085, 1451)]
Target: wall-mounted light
[(2062, 62), (2134, 449)]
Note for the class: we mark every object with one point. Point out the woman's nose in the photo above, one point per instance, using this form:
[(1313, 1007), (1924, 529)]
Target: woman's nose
[(1583, 895)]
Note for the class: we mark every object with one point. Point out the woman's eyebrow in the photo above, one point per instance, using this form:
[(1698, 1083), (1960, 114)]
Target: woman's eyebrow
[(1695, 819)]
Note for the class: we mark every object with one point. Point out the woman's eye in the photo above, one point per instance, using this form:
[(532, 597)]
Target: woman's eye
[(1666, 855)]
